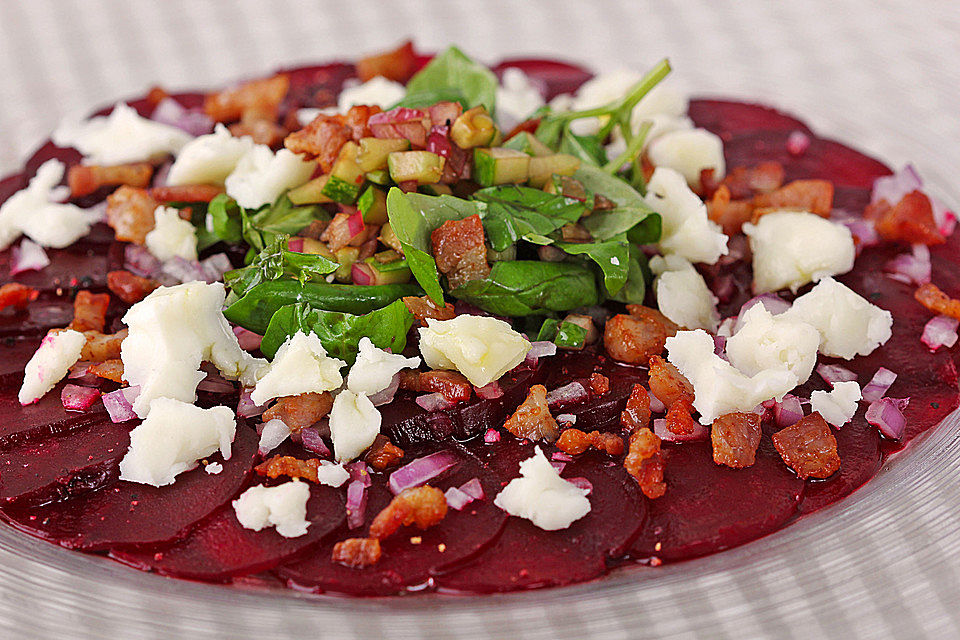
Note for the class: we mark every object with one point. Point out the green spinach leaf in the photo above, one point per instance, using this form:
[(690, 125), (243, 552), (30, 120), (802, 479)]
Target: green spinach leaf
[(259, 228), (632, 214), (634, 290), (225, 218), (522, 212), (523, 287), (453, 70), (588, 148), (430, 97), (275, 262), (612, 256)]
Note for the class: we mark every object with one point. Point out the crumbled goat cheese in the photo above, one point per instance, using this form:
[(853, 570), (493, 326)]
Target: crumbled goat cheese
[(687, 231), (121, 137), (301, 365), (517, 98), (374, 368), (51, 362), (214, 468), (171, 236), (765, 341), (377, 91), (209, 159), (689, 151), (354, 425), (173, 438), (541, 496), (838, 405), (171, 332), (792, 248), (332, 474), (848, 324), (683, 295), (262, 175), (663, 103), (283, 507), (480, 347)]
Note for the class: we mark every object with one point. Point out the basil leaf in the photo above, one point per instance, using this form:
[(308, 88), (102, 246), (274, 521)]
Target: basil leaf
[(340, 333), (261, 227), (635, 289), (431, 97), (275, 262), (453, 70), (225, 218), (588, 148), (523, 212), (613, 258), (523, 287)]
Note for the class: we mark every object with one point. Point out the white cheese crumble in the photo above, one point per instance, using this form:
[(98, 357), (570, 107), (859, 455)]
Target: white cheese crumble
[(374, 368), (283, 507), (301, 365), (332, 474), (541, 496), (718, 386), (689, 151), (262, 175), (665, 104), (121, 137), (171, 236), (838, 405), (51, 362), (792, 248), (765, 341), (354, 424), (377, 91), (683, 295), (208, 159), (35, 212), (214, 468), (480, 347), (171, 332), (173, 438), (687, 231), (517, 98), (272, 435), (849, 325)]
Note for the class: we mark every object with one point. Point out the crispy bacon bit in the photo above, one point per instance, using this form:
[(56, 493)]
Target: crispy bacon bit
[(910, 220), (815, 196), (156, 95), (451, 385), (744, 182), (423, 308), (532, 419), (101, 347), (735, 438), (637, 413), (84, 179), (460, 252), (260, 130), (575, 442), (421, 506), (644, 462), (130, 213), (256, 98), (728, 213), (289, 466), (357, 120), (321, 139), (314, 230), (633, 339), (599, 384), (930, 296), (130, 288), (383, 453), (356, 553), (397, 65), (679, 420), (300, 412), (339, 234), (667, 383), (641, 312), (108, 370), (574, 232), (603, 203), (808, 447), (186, 193), (89, 311), (14, 294)]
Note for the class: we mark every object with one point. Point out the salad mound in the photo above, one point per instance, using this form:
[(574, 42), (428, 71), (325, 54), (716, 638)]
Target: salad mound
[(418, 324)]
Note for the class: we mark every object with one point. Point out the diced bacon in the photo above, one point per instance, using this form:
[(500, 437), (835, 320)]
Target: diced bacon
[(730, 214), (931, 297), (815, 196), (108, 370), (289, 466), (648, 314), (679, 418), (735, 438), (645, 463), (808, 447), (102, 346), (910, 220), (130, 288), (260, 130), (156, 95), (130, 213), (256, 98), (357, 119), (421, 506), (444, 114), (397, 65), (16, 295), (460, 251), (451, 385), (532, 419), (300, 412), (636, 415), (745, 182), (383, 453), (423, 308), (599, 384), (89, 311), (84, 179), (321, 139), (343, 230), (667, 383), (356, 553), (186, 193), (633, 339), (403, 123), (575, 442)]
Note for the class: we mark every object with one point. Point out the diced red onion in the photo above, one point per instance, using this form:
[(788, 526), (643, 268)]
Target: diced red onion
[(215, 266), (581, 483), (863, 231), (723, 287), (249, 341), (946, 220), (76, 398), (490, 391), (700, 432), (542, 349), (247, 408), (194, 121), (421, 470), (567, 418), (311, 441), (28, 256), (571, 393), (215, 383), (438, 141), (295, 245), (879, 384), (183, 270), (361, 273), (401, 122), (161, 175), (434, 402), (359, 472), (797, 143), (491, 436), (561, 456), (355, 223), (457, 499), (788, 411), (940, 331), (272, 435), (385, 396), (119, 404), (656, 405), (356, 504), (139, 261), (473, 488), (887, 415), (80, 372), (911, 268), (559, 465), (834, 373), (719, 345)]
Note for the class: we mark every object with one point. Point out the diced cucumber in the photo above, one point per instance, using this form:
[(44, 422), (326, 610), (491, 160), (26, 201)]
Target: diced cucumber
[(474, 128), (346, 256), (318, 248), (373, 152), (380, 176), (422, 166), (500, 165), (388, 256), (346, 176), (392, 273), (389, 239), (543, 167), (310, 192), (528, 143), (437, 189), (510, 253), (373, 205)]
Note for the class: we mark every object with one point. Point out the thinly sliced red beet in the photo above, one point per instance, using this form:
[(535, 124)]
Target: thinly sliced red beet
[(411, 556), (858, 444), (126, 513), (554, 76), (852, 200), (727, 118), (44, 418), (15, 352), (39, 317), (710, 507), (220, 549), (83, 265), (63, 466), (526, 557)]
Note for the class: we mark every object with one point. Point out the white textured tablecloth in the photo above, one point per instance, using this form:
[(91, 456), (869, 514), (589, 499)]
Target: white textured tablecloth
[(881, 75)]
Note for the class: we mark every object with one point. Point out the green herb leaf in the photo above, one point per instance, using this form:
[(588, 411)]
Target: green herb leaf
[(630, 212), (261, 227), (523, 287), (452, 70), (275, 262), (225, 217), (340, 333), (634, 290), (612, 256)]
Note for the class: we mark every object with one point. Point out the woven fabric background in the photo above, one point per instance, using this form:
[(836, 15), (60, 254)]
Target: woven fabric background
[(880, 74)]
